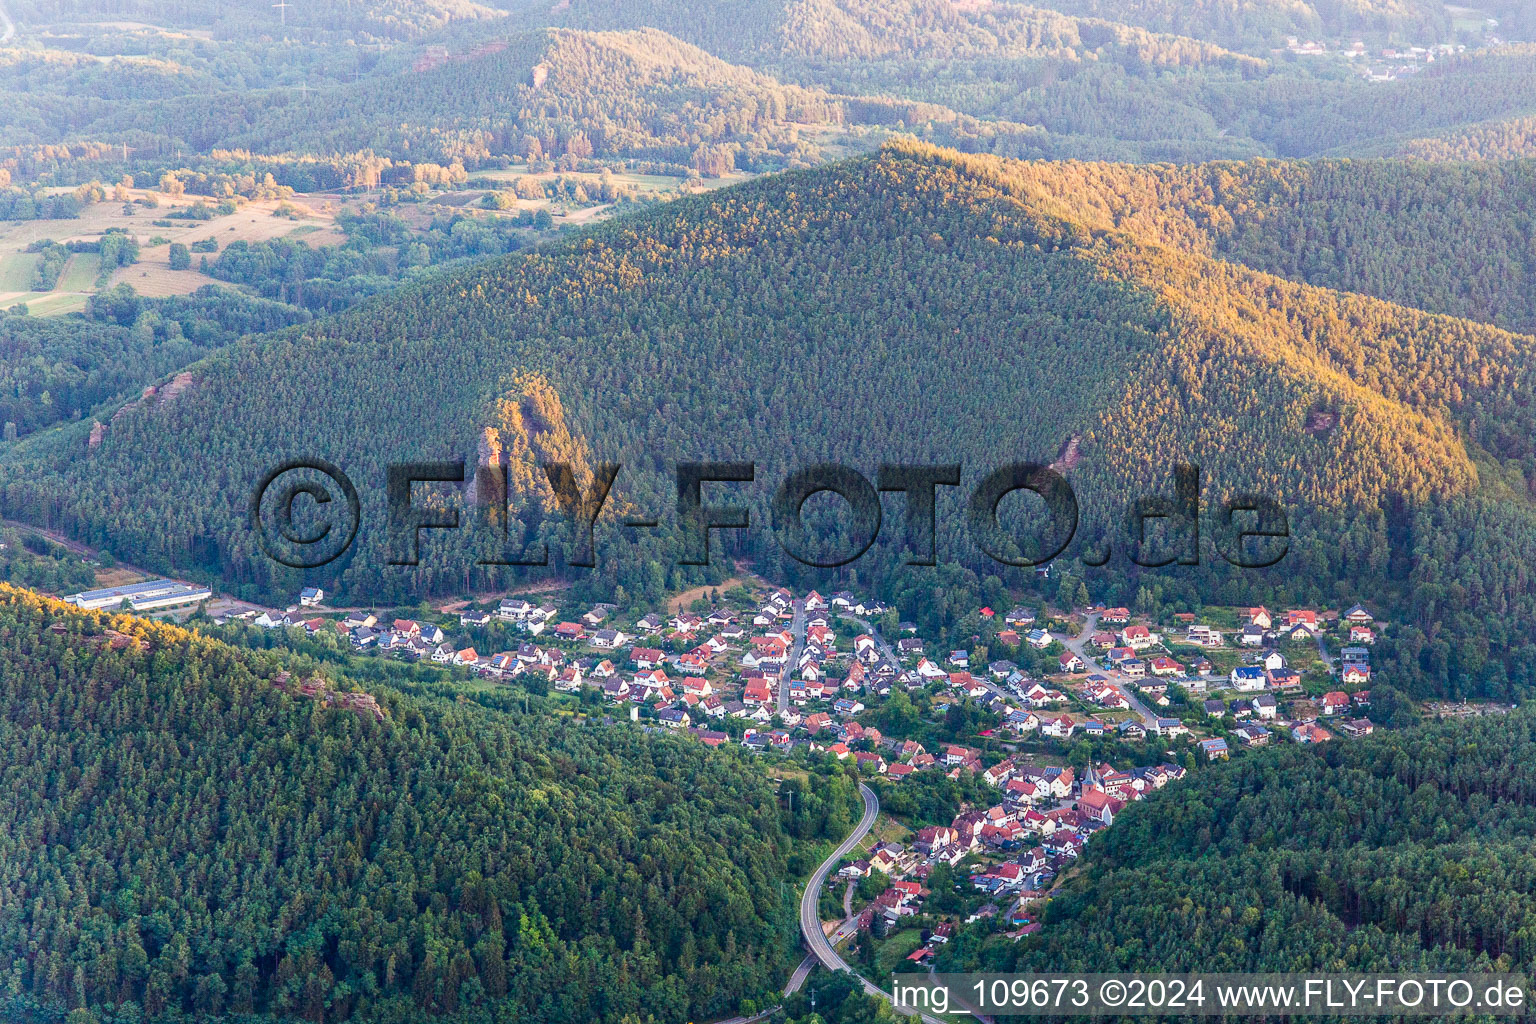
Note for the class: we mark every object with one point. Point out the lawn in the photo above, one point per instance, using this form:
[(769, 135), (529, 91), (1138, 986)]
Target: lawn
[(887, 830), (16, 271), (80, 273), (895, 948), (53, 303)]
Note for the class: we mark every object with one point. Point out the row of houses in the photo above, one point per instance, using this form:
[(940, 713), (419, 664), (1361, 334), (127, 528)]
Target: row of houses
[(1045, 818)]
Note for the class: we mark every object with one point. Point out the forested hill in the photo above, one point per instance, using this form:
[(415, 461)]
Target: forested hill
[(194, 828), (1406, 851), (1511, 138), (641, 94), (757, 31), (1447, 238), (760, 84), (628, 90), (1260, 24), (353, 20), (816, 315)]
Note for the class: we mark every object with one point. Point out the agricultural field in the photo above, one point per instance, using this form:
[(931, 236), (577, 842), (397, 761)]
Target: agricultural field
[(151, 275)]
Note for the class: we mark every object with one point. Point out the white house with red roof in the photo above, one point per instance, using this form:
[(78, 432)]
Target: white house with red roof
[(1136, 637), (756, 693)]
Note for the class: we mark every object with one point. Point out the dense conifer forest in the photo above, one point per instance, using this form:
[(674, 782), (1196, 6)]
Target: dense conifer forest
[(193, 828)]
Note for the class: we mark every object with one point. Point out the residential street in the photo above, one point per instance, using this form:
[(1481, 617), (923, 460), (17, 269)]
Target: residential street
[(978, 672), (884, 645), (797, 629), (1079, 646)]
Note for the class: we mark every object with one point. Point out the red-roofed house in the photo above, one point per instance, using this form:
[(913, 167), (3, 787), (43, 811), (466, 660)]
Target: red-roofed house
[(1136, 637)]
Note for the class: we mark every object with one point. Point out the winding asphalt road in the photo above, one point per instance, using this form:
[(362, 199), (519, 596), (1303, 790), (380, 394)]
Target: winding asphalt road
[(810, 916), (810, 900)]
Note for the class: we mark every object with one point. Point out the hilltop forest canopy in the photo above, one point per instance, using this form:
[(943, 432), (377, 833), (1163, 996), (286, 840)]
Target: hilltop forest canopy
[(188, 832), (749, 84), (541, 94), (814, 316), (1406, 851), (368, 19)]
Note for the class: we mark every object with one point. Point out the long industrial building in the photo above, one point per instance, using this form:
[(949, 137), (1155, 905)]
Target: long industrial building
[(142, 596)]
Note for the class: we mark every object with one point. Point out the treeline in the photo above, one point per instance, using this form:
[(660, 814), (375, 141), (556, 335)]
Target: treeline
[(1513, 139), (30, 560), (375, 19), (24, 204), (381, 249), (304, 857)]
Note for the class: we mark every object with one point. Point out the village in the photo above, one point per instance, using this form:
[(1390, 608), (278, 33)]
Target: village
[(775, 672), (1062, 718), (994, 864), (1016, 741), (1039, 728), (1391, 62)]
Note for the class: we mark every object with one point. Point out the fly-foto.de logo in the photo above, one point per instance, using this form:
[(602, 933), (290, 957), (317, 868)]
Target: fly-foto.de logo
[(306, 513)]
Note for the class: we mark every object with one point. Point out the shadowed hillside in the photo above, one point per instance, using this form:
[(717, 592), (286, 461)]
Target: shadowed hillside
[(198, 828)]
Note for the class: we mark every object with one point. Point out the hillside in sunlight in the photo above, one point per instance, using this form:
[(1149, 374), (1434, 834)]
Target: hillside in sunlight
[(911, 305), (1265, 23)]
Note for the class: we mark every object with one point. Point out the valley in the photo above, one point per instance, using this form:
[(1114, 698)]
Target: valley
[(545, 316)]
